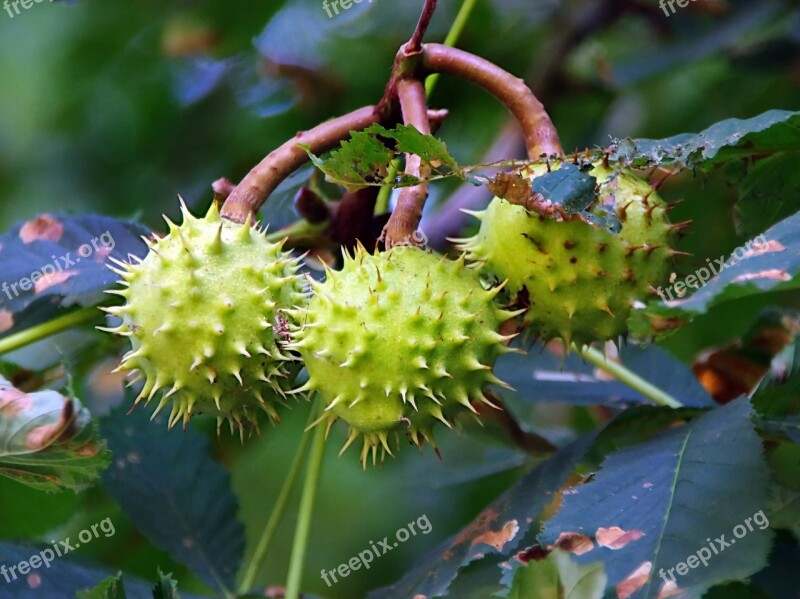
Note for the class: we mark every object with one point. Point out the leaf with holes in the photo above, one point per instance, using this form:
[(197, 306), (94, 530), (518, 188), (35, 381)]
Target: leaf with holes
[(682, 511), (497, 530), (365, 158), (768, 133), (175, 494), (430, 149)]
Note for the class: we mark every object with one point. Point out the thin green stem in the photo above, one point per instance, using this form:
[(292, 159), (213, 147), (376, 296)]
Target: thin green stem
[(633, 380), (297, 561), (452, 39), (456, 29), (382, 203), (46, 329), (301, 228), (260, 553)]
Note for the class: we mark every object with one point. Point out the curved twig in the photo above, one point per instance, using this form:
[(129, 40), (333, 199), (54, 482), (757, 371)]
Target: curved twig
[(253, 190), (541, 137)]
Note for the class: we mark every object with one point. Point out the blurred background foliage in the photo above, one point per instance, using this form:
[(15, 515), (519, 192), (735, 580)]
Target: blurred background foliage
[(115, 108)]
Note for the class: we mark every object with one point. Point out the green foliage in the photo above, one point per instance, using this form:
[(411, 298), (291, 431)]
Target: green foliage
[(769, 262), (653, 505), (110, 588), (770, 132), (166, 587), (176, 494), (365, 158), (143, 101), (557, 576)]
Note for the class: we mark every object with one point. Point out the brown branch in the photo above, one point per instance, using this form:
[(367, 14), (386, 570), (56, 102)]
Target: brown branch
[(411, 200), (415, 43), (541, 137), (253, 190)]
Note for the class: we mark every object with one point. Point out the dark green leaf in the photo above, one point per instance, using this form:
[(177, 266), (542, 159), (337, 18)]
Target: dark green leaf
[(784, 509), (770, 132), (175, 493), (654, 505), (62, 578), (166, 587), (769, 191), (361, 160), (542, 376), (497, 530), (432, 150), (61, 261)]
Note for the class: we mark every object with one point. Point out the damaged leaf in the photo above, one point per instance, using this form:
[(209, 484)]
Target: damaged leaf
[(769, 262), (654, 509), (47, 440), (498, 529)]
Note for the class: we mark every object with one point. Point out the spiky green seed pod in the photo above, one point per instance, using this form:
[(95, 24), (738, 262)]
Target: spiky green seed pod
[(578, 280), (203, 313), (397, 341)]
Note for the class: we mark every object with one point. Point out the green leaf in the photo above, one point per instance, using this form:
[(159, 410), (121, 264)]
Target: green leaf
[(110, 588), (431, 150), (558, 577), (364, 159), (47, 440), (771, 132), (175, 493), (654, 506), (360, 161), (769, 262), (538, 580), (769, 191), (784, 509), (166, 587)]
